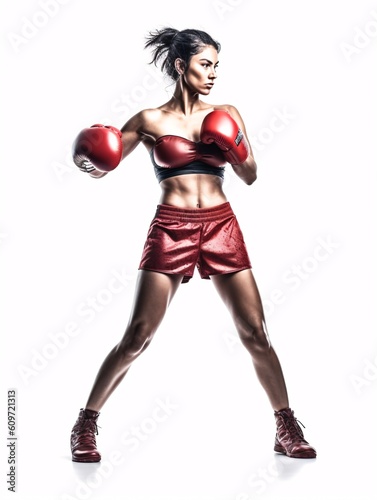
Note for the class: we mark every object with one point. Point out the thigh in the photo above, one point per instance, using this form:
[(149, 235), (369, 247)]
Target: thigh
[(153, 294), (240, 293)]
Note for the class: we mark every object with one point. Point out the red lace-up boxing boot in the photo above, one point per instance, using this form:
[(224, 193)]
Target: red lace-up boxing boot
[(83, 440), (289, 436)]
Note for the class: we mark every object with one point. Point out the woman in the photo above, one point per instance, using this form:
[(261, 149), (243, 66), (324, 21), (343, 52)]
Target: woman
[(189, 142)]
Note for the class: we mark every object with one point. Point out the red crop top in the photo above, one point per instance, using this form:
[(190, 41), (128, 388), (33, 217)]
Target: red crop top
[(173, 155)]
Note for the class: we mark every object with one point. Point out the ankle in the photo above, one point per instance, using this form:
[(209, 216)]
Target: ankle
[(286, 409), (88, 413)]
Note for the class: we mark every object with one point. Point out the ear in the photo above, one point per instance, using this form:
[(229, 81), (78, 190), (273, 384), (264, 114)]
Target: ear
[(180, 66)]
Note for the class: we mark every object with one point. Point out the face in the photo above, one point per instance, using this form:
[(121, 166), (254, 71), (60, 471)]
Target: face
[(201, 73)]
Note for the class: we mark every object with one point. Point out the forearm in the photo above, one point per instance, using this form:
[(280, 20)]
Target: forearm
[(246, 171)]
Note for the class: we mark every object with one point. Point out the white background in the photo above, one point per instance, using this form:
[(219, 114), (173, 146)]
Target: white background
[(64, 237)]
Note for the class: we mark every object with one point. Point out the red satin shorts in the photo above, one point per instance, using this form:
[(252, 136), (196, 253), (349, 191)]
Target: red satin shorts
[(181, 239)]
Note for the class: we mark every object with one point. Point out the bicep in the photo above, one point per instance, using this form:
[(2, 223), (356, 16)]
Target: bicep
[(131, 135)]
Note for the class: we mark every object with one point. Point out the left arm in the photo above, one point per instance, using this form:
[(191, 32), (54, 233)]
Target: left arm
[(225, 128), (247, 170)]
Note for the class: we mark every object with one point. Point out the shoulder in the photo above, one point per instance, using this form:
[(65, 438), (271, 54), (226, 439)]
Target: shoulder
[(234, 113), (150, 114), (145, 116), (229, 108), (142, 121)]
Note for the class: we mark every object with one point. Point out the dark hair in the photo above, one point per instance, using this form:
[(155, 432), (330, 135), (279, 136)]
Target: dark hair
[(169, 44)]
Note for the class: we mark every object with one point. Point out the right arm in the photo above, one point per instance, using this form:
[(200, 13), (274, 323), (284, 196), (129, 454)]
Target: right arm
[(132, 133), (99, 149)]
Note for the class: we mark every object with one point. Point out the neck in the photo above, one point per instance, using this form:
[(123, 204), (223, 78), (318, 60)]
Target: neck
[(184, 98)]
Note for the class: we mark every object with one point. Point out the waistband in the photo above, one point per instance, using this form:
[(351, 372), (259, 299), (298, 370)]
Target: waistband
[(194, 214)]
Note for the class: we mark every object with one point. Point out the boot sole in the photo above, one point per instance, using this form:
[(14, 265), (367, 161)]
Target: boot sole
[(85, 460), (304, 454)]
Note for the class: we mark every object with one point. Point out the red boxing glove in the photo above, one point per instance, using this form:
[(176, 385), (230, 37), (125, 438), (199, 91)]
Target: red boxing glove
[(220, 128), (98, 148)]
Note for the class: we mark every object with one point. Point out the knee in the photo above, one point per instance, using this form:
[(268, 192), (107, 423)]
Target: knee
[(136, 339), (254, 336)]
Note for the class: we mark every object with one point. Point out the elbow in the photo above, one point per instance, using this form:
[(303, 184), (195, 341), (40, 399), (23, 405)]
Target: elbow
[(251, 179), (246, 171)]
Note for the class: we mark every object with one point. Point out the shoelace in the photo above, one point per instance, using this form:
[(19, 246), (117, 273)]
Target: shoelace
[(294, 426), (291, 423), (86, 430)]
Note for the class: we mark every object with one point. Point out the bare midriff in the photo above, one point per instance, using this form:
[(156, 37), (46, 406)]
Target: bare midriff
[(193, 191)]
